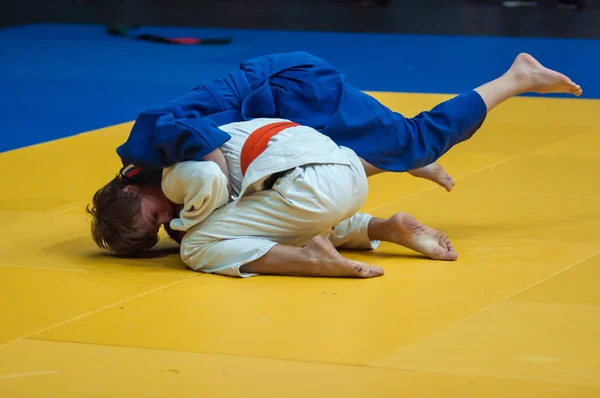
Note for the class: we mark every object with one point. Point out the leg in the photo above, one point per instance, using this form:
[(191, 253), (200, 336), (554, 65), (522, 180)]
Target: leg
[(245, 257), (319, 96), (433, 172), (364, 232), (353, 233), (405, 230), (525, 75), (317, 258), (305, 203)]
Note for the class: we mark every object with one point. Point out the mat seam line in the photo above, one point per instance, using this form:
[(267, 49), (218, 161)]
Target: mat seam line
[(491, 305), (26, 336), (292, 360), (457, 178)]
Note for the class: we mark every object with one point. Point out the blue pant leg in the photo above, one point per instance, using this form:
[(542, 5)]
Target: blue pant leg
[(319, 96)]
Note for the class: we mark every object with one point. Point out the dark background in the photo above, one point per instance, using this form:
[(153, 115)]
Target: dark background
[(457, 17)]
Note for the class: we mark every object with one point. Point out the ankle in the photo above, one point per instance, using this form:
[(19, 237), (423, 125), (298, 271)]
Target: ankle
[(516, 82), (379, 229)]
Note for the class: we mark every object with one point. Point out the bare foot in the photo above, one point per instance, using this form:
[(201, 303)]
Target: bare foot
[(331, 263), (434, 172), (534, 77), (405, 230)]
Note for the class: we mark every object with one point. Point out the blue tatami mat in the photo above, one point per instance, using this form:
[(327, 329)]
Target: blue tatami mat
[(60, 80)]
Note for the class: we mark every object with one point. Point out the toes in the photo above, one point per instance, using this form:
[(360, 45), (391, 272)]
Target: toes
[(445, 251), (449, 249), (574, 88), (451, 256), (445, 243), (375, 271), (448, 182), (363, 270), (448, 255)]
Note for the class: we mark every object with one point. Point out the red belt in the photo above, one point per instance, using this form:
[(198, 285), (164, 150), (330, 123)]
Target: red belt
[(257, 142)]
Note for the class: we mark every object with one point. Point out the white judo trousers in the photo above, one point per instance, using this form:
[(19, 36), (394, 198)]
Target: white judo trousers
[(320, 194)]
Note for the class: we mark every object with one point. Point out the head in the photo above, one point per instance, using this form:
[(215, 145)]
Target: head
[(127, 217)]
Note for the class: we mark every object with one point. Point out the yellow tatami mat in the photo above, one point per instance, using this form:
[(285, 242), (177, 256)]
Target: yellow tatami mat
[(517, 315)]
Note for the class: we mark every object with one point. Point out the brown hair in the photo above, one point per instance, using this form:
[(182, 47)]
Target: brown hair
[(114, 214)]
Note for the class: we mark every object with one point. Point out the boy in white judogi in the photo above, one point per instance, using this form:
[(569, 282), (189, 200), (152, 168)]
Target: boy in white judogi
[(289, 184)]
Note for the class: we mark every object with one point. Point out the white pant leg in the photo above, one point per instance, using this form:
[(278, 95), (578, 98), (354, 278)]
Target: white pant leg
[(353, 233), (308, 201)]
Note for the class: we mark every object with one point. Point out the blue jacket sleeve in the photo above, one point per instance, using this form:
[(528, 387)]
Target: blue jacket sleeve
[(159, 140)]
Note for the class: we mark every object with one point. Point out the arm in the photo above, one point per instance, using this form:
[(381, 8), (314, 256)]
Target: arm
[(200, 186), (159, 140), (218, 157)]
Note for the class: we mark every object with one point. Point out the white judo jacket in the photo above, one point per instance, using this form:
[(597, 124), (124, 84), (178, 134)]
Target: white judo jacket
[(201, 187)]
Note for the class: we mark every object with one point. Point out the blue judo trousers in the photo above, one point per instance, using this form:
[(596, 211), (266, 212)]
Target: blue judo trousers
[(307, 90)]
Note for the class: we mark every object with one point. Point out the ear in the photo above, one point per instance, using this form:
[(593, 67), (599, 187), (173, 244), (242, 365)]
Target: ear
[(131, 189)]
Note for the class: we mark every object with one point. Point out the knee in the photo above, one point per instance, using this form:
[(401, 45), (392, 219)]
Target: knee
[(330, 193), (331, 210), (347, 195)]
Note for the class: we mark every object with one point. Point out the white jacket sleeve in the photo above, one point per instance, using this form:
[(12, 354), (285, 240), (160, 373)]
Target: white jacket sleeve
[(200, 186)]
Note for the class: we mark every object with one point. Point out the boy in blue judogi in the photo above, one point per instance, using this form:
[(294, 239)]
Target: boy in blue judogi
[(308, 91)]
